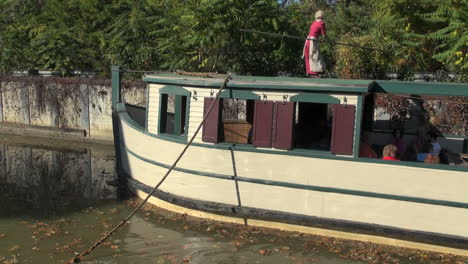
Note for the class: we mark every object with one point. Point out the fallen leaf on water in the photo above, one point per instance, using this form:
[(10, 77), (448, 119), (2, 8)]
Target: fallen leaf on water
[(35, 248), (113, 211), (186, 259), (2, 235), (114, 247), (264, 252), (15, 247), (186, 227), (335, 250)]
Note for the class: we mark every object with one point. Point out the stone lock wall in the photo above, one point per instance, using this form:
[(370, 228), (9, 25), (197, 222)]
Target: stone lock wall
[(73, 108)]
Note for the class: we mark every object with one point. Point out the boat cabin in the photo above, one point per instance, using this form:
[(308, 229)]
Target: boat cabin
[(324, 117)]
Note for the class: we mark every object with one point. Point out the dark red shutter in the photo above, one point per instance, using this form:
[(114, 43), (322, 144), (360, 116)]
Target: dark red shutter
[(284, 122), (211, 125), (343, 129), (263, 124)]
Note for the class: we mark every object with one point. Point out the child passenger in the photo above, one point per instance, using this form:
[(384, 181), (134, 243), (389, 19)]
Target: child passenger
[(399, 142), (389, 152), (427, 155), (435, 145)]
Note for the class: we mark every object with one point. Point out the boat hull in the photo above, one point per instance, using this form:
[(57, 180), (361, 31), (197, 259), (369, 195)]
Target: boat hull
[(338, 197)]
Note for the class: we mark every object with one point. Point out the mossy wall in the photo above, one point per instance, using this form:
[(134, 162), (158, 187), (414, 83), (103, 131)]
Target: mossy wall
[(79, 106)]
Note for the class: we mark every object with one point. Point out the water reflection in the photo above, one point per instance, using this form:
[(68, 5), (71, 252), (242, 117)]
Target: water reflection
[(39, 177)]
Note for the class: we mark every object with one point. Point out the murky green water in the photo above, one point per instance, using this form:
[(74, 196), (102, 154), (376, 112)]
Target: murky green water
[(57, 198)]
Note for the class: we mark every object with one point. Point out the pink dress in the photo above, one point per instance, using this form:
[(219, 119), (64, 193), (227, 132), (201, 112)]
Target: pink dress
[(311, 53)]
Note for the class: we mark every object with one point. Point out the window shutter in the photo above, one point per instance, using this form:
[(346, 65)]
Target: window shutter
[(343, 129), (284, 122), (263, 124), (212, 122)]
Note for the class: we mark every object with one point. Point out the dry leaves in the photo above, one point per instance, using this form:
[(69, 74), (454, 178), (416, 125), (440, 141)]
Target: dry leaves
[(114, 247), (14, 248), (265, 252)]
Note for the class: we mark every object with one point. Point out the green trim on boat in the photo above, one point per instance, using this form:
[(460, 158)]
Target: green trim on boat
[(465, 145), (147, 107), (358, 125), (239, 94), (115, 83), (176, 90), (184, 81), (420, 88), (307, 84), (315, 98)]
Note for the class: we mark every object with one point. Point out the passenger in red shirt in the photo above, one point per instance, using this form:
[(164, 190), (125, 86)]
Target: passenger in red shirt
[(311, 52), (389, 152), (365, 149)]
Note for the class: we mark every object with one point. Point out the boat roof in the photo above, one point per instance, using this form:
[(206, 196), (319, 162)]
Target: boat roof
[(313, 84)]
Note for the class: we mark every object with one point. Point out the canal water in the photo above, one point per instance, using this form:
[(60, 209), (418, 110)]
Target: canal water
[(57, 198)]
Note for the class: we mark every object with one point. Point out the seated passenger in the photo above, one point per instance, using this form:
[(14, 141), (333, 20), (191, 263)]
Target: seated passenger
[(365, 150), (435, 145), (399, 142), (420, 140), (416, 146), (427, 155), (389, 152), (431, 158)]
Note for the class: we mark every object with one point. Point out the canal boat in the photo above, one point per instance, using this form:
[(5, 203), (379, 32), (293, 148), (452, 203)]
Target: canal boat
[(283, 152)]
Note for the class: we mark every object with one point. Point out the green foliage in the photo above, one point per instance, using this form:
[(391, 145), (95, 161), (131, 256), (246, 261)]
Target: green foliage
[(205, 35), (450, 34)]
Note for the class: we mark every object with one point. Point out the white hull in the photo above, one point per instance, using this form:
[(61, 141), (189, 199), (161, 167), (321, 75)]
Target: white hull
[(423, 201)]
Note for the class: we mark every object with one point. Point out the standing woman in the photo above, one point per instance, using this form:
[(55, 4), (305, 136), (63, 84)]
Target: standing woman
[(311, 53)]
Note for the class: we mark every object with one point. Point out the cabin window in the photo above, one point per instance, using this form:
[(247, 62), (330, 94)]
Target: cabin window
[(173, 114), (237, 121), (418, 125), (313, 126)]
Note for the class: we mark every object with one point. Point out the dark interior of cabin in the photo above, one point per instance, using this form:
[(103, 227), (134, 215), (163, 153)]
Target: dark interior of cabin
[(170, 123), (313, 126)]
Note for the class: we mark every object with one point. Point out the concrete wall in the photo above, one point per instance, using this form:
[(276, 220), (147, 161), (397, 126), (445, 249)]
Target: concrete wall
[(72, 108)]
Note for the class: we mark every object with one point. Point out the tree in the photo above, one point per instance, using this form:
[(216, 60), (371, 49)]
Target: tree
[(449, 20)]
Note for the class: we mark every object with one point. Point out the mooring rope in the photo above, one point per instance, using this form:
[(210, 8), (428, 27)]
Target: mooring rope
[(80, 256), (316, 40)]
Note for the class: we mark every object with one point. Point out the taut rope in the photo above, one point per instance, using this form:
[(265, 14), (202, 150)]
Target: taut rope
[(80, 256), (316, 40)]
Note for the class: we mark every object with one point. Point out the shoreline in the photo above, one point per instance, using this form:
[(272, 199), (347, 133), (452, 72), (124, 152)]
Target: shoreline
[(69, 135)]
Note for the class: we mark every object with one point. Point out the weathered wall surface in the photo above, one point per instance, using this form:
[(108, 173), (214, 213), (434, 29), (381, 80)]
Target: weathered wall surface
[(73, 108)]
